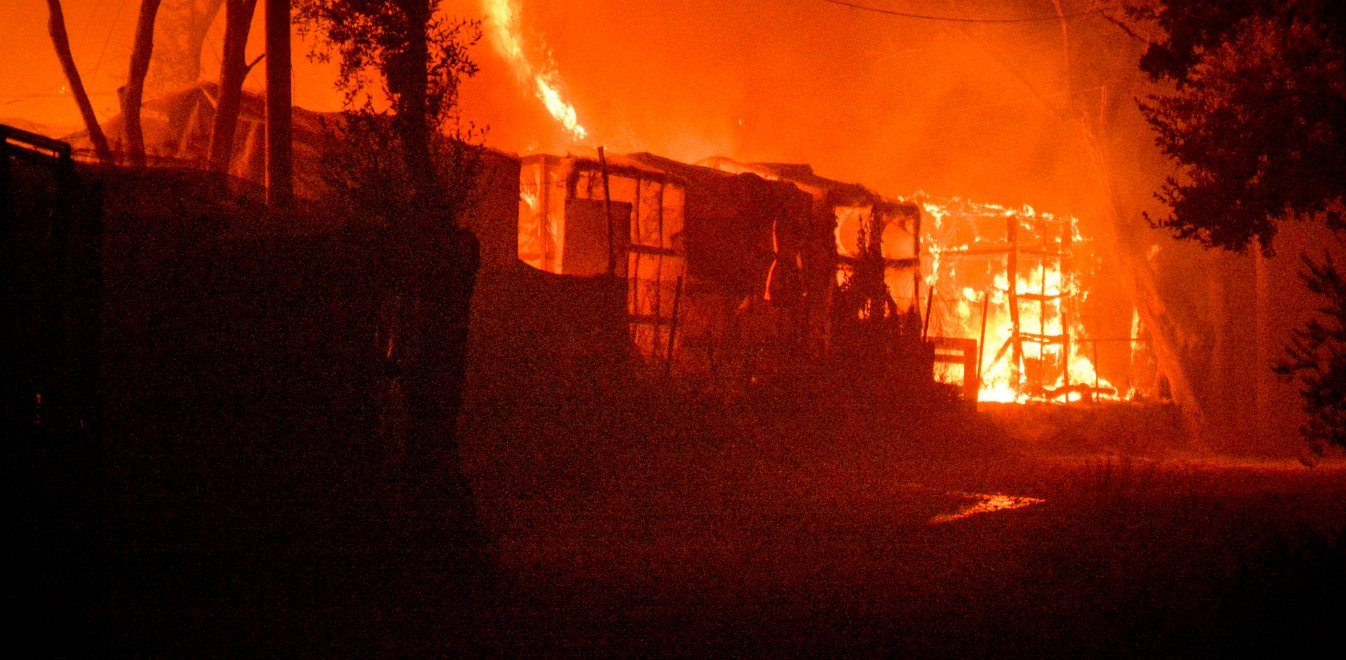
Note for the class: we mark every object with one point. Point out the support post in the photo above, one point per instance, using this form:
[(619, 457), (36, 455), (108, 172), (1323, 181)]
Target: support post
[(1095, 395), (607, 209), (929, 304), (673, 329), (981, 343), (1012, 280), (1066, 305)]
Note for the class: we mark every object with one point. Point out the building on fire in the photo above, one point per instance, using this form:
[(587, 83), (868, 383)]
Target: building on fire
[(733, 271)]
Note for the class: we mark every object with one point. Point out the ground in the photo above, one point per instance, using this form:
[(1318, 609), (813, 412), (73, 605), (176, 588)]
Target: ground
[(708, 539), (822, 545)]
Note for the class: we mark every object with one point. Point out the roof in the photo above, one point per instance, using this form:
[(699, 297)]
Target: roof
[(619, 164), (802, 175)]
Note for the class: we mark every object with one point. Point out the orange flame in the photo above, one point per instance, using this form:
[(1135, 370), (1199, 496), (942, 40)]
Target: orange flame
[(960, 259), (504, 28)]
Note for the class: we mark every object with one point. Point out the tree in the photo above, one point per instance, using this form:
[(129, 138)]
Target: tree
[(1317, 357), (404, 164), (1257, 119), (59, 40), (1256, 123), (233, 69), (135, 81), (279, 106), (401, 54)]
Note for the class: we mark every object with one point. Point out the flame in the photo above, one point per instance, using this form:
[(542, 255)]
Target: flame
[(504, 28), (961, 258)]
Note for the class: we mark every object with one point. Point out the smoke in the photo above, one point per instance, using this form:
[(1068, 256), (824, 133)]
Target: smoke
[(995, 112), (987, 111)]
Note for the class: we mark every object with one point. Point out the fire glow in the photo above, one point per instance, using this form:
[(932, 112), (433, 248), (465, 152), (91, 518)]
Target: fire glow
[(986, 503), (502, 19), (968, 248)]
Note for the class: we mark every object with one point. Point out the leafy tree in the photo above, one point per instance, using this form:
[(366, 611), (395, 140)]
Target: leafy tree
[(1257, 118), (404, 163), (1256, 122), (1317, 356), (401, 65)]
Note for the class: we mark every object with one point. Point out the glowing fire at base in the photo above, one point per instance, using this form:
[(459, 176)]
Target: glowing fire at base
[(502, 20), (971, 249)]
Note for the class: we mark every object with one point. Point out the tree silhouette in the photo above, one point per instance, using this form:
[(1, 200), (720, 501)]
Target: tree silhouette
[(1257, 119), (404, 165), (135, 81), (1316, 357), (1256, 122), (233, 69), (60, 40)]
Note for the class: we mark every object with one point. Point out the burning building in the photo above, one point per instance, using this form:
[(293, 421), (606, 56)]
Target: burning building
[(712, 259), (1014, 279), (732, 268)]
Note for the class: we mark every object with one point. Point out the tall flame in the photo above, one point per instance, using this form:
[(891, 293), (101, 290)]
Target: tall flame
[(502, 19)]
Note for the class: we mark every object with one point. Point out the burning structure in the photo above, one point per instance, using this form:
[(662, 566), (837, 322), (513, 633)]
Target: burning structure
[(733, 268), (734, 271), (1014, 279)]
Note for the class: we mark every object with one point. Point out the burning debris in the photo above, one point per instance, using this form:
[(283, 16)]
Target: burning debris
[(986, 503)]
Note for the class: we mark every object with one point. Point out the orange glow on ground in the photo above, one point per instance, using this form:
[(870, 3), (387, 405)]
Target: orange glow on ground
[(986, 503)]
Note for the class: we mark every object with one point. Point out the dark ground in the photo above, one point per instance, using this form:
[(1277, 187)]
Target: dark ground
[(795, 540), (701, 544)]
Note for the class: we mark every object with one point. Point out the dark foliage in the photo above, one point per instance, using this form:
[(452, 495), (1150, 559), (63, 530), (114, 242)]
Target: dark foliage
[(1256, 123), (1316, 358), (407, 151), (1257, 119), (404, 167)]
